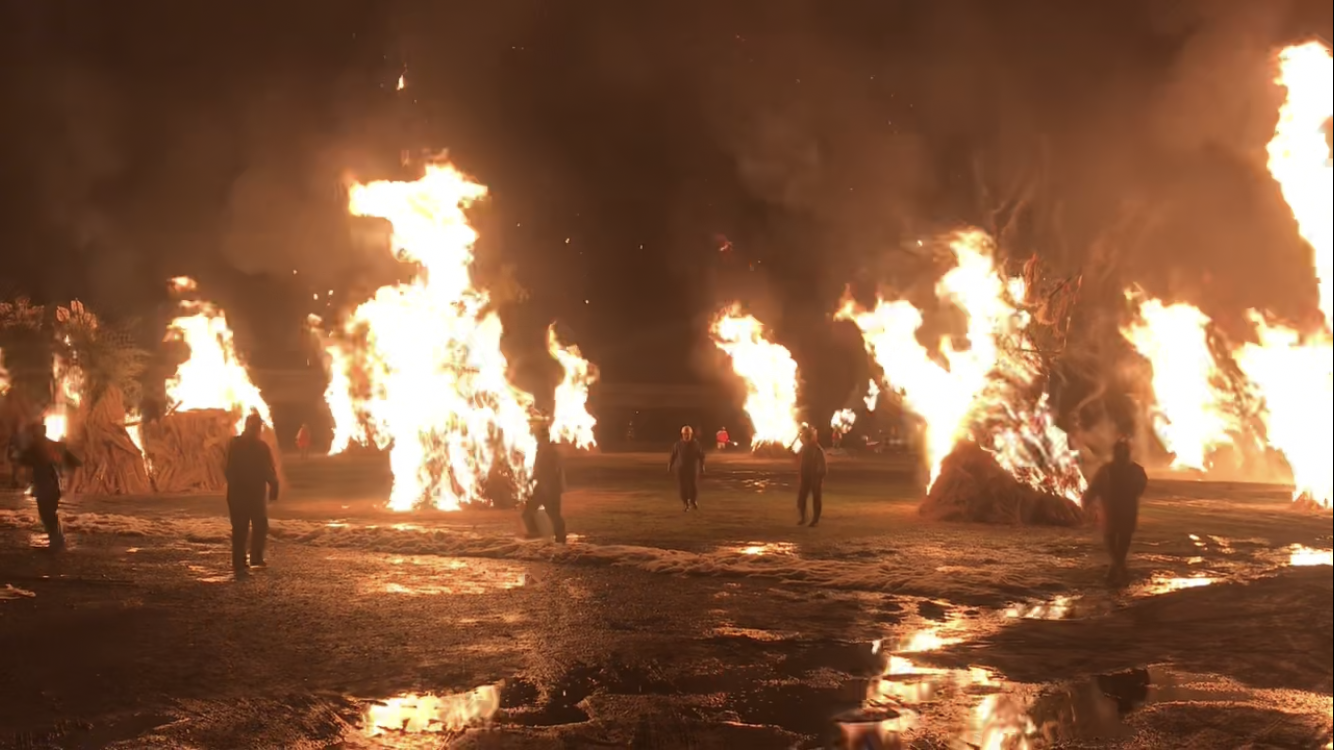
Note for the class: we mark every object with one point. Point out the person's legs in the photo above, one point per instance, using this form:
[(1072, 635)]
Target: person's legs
[(817, 498), (802, 494), (694, 492), (552, 506), (683, 489), (240, 530), (530, 527), (259, 532), (48, 508), (1112, 542)]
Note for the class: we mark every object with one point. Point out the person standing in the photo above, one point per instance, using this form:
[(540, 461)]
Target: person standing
[(723, 439), (1118, 486), (303, 441), (548, 486), (812, 469), (687, 462), (250, 472), (44, 458)]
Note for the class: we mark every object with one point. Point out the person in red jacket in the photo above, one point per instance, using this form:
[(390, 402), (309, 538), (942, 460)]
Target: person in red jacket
[(303, 441), (723, 439)]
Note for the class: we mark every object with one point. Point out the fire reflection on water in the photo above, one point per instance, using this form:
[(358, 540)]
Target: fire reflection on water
[(1305, 557), (428, 576), (1162, 584), (761, 549), (431, 714)]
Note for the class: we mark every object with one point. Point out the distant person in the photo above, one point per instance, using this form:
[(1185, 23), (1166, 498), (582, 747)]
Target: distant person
[(811, 460), (303, 441), (838, 439), (250, 473), (45, 457), (723, 439), (548, 486), (687, 462), (1118, 486)]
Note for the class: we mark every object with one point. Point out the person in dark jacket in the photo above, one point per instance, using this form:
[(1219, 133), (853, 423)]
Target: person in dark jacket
[(252, 483), (1118, 487), (548, 486), (44, 457), (687, 462), (813, 468)]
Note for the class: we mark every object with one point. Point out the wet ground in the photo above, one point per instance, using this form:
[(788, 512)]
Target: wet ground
[(731, 628)]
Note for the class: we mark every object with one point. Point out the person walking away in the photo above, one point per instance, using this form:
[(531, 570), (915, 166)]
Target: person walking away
[(548, 486), (44, 458), (687, 462), (303, 441), (1118, 486), (812, 469), (723, 439), (250, 472)]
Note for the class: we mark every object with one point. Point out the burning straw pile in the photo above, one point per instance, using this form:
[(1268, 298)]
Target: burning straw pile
[(112, 462), (974, 488), (187, 450)]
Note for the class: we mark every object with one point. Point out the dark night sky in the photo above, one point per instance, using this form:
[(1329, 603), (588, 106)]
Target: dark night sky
[(143, 139)]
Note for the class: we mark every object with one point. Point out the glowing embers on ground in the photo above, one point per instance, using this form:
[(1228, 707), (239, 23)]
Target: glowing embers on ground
[(405, 716), (570, 421), (770, 375), (1305, 557), (213, 377), (989, 387), (434, 389), (764, 549), (1191, 416)]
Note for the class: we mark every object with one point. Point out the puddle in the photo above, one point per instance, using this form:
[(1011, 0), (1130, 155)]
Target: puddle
[(434, 576), (1305, 557), (1161, 584), (1060, 608), (766, 636), (762, 549), (11, 593), (402, 721)]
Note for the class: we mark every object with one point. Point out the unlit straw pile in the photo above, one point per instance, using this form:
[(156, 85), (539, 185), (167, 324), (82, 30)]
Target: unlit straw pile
[(973, 488), (112, 464), (187, 451)]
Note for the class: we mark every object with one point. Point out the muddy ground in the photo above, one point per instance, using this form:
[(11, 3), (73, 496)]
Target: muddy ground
[(730, 628)]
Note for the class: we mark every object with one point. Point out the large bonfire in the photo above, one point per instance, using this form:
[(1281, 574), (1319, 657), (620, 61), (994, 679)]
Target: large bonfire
[(770, 376), (423, 362), (209, 397), (992, 448), (570, 421), (1290, 372)]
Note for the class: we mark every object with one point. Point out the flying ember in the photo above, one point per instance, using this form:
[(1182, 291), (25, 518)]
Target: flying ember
[(571, 423), (437, 391), (770, 375), (1292, 373), (1190, 416), (213, 377)]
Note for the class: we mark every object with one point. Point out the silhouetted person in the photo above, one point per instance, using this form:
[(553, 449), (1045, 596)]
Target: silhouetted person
[(303, 441), (45, 457), (687, 462), (252, 482), (548, 486), (812, 468), (1118, 486)]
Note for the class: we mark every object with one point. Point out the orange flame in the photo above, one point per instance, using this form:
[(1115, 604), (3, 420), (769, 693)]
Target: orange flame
[(68, 381), (843, 421), (770, 375), (1190, 418), (1295, 377), (439, 398), (571, 423), (214, 376)]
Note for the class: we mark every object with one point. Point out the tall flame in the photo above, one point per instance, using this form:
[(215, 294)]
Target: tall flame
[(1295, 376), (214, 376), (68, 394), (439, 397), (986, 388), (770, 375), (1190, 417), (571, 423), (872, 395), (338, 395)]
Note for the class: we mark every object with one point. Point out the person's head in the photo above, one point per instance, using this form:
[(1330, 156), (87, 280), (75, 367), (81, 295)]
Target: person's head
[(1121, 452), (254, 425), (687, 433)]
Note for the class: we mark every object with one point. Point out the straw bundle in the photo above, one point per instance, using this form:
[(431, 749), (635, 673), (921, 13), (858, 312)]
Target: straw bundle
[(973, 488), (112, 463)]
